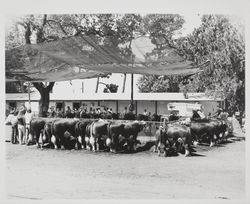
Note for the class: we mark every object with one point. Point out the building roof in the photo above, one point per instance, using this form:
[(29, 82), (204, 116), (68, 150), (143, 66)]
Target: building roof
[(60, 96)]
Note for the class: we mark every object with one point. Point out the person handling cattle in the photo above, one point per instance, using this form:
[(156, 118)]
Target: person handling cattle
[(21, 125), (28, 117), (198, 115)]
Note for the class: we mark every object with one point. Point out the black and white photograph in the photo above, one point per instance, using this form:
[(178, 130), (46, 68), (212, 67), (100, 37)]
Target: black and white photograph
[(124, 105)]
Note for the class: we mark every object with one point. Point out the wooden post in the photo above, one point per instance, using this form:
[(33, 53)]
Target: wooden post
[(82, 87), (97, 84), (132, 88), (156, 107), (116, 106), (124, 83), (136, 107)]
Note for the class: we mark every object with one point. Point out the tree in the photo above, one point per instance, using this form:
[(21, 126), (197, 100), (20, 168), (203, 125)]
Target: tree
[(35, 29), (37, 25), (109, 29), (110, 88), (161, 30), (218, 41)]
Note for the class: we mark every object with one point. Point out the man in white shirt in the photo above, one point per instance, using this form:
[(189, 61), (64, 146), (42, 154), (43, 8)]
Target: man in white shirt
[(12, 119), (28, 117)]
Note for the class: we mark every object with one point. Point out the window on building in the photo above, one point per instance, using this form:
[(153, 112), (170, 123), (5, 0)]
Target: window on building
[(76, 105), (12, 105), (59, 105)]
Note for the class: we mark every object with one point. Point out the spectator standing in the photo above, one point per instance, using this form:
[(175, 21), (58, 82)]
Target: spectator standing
[(125, 111), (12, 119), (145, 112), (59, 113), (68, 112), (52, 113)]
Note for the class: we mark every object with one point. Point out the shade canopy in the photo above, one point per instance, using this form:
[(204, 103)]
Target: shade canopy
[(80, 57)]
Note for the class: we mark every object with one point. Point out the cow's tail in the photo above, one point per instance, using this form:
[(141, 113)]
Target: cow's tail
[(52, 128), (108, 130), (77, 128), (92, 129)]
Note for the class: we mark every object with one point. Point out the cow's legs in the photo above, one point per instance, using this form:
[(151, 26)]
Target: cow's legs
[(155, 148), (187, 150), (97, 144), (87, 143), (80, 140), (41, 136), (158, 149), (211, 142), (54, 141), (92, 142)]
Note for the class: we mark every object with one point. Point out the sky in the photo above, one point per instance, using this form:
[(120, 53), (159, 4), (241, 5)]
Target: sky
[(191, 21)]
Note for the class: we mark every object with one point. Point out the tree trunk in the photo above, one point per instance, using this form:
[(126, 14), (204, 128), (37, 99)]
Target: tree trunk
[(44, 103), (45, 97)]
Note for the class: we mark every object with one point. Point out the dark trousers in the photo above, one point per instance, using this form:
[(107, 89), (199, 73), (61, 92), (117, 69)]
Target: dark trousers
[(14, 134)]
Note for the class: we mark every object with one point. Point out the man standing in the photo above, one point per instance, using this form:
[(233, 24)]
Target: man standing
[(21, 125), (12, 119), (28, 118)]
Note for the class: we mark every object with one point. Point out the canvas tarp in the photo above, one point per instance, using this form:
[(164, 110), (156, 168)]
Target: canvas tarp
[(80, 57)]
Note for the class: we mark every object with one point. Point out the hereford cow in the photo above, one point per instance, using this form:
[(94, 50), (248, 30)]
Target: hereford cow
[(98, 134), (204, 131), (36, 129), (131, 131), (59, 127), (80, 129), (114, 131), (174, 137)]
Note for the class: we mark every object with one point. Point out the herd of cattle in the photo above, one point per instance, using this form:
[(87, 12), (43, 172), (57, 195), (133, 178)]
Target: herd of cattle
[(118, 136)]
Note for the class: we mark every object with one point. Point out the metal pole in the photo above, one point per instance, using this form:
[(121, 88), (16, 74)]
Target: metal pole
[(132, 88), (29, 91), (124, 82), (97, 84)]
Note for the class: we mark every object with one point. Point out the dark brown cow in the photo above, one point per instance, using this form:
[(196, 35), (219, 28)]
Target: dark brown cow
[(36, 128), (204, 131), (174, 137), (114, 130), (131, 131), (59, 127), (80, 129)]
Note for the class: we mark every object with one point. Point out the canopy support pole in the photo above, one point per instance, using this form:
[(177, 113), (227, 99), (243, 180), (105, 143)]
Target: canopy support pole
[(132, 88), (124, 82), (29, 91), (97, 84)]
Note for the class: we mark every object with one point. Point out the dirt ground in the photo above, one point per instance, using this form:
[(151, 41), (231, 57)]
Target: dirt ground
[(211, 173)]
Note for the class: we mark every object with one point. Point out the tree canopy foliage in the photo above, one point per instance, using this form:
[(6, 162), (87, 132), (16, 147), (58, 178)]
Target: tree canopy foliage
[(218, 41)]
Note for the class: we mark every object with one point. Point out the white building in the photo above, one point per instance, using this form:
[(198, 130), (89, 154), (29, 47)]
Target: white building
[(64, 95)]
